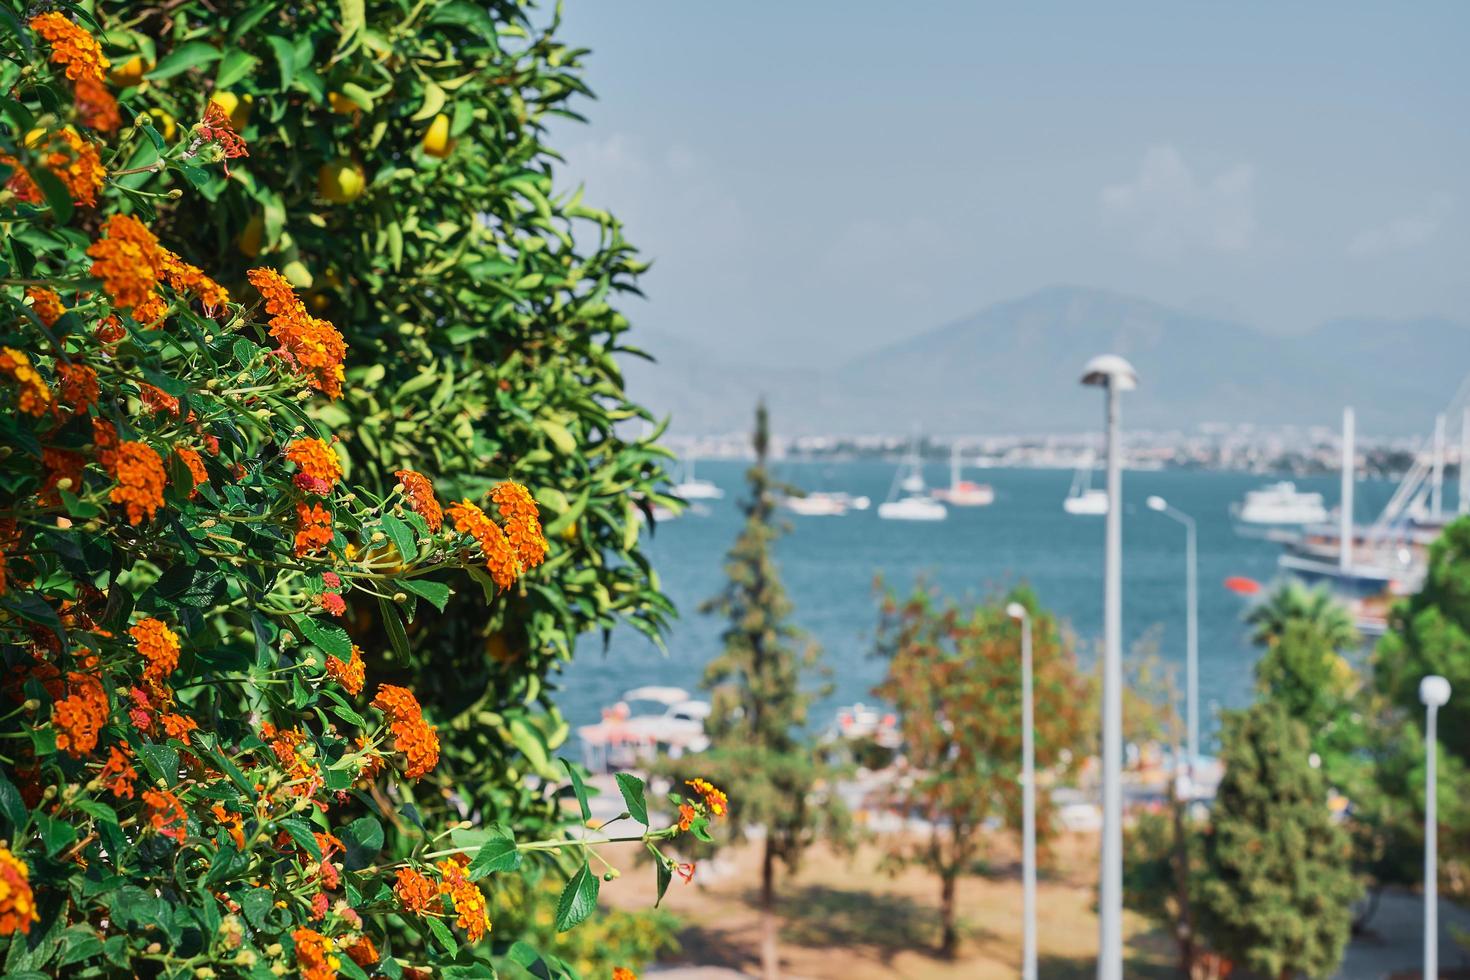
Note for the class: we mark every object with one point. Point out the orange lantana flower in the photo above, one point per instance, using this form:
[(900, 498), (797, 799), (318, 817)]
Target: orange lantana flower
[(471, 913), (61, 464), (78, 386), (351, 674), (313, 528), (316, 955), (415, 893), (127, 260), (500, 557), (522, 523), (140, 480), (78, 718), (17, 904), (414, 737), (319, 465), (714, 798), (218, 129), (34, 398), (362, 952), (158, 646), (46, 303), (118, 774), (313, 345), (165, 814), (72, 47), (186, 278), (96, 106), (192, 461), (421, 499), (73, 160)]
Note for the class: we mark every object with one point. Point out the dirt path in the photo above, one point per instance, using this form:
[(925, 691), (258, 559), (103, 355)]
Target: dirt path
[(843, 919)]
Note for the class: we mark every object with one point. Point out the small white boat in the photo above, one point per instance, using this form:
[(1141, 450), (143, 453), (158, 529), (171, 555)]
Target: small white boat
[(1083, 499), (816, 505), (693, 488), (627, 737), (1280, 503), (963, 493), (915, 504), (861, 721)]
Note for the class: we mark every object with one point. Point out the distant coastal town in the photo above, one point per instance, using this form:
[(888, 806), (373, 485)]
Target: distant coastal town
[(1292, 450)]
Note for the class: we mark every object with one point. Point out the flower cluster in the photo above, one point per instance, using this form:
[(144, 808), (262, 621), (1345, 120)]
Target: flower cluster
[(510, 552), (128, 260), (140, 480), (34, 397), (314, 346), (319, 467), (414, 737), (72, 160), (351, 675), (72, 47), (17, 904), (420, 495)]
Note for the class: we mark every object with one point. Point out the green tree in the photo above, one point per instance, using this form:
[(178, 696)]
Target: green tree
[(400, 174), (1278, 889), (759, 706), (1295, 602), (955, 678), (1429, 633)]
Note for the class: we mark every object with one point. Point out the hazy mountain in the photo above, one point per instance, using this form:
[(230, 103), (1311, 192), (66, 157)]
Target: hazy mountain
[(1013, 368)]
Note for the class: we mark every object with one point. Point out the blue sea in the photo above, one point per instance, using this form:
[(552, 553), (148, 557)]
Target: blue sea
[(829, 564)]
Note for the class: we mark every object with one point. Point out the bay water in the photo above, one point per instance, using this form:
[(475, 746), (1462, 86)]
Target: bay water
[(828, 565)]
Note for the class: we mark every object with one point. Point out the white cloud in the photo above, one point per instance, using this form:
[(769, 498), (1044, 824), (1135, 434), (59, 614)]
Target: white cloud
[(1403, 233), (1168, 210)]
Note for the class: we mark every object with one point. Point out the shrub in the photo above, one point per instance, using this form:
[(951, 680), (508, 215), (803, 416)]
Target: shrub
[(196, 763)]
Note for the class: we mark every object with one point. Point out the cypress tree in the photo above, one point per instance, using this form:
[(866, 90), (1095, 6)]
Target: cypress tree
[(759, 708), (1278, 888)]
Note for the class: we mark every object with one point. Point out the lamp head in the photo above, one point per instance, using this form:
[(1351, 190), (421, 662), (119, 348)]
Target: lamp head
[(1110, 370), (1434, 691), (1016, 611), (1157, 503)]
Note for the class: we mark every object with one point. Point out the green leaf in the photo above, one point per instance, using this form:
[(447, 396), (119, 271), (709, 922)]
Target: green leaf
[(664, 875), (559, 435), (433, 102), (190, 54), (436, 592), (329, 638), (256, 904), (443, 935), (12, 807), (234, 66), (55, 192), (285, 53), (402, 537), (354, 18), (578, 899), (393, 623), (363, 839), (497, 853), (579, 788), (300, 832), (632, 789), (161, 761)]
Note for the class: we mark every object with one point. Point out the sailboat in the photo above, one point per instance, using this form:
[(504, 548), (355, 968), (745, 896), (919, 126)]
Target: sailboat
[(963, 493), (693, 488), (914, 504), (1083, 499)]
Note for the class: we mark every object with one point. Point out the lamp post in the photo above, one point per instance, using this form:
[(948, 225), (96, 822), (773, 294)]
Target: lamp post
[(1018, 612), (1114, 375), (1434, 691), (1191, 631)]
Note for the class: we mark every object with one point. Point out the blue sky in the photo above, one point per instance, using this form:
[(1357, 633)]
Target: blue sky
[(817, 178)]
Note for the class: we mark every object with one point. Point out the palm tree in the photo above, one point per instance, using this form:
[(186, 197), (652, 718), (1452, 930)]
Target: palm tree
[(1294, 602)]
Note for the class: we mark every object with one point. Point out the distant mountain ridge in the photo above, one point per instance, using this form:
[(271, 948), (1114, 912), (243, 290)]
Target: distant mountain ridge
[(1014, 367)]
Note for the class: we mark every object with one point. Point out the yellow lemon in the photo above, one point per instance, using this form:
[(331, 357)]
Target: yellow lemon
[(319, 302), (341, 181), (164, 123), (341, 104), (251, 238), (569, 533), (436, 140), (237, 107), (35, 136), (130, 72)]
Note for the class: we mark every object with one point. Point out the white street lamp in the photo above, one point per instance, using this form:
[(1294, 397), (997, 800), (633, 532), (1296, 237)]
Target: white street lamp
[(1191, 630), (1434, 691), (1018, 612), (1115, 375)]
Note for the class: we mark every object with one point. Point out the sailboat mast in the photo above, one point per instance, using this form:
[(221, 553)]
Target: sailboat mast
[(1345, 508), (1436, 487), (1464, 501)]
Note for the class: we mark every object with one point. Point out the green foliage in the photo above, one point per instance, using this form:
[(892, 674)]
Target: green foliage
[(758, 751), (1295, 602), (478, 299), (955, 678), (1278, 887), (526, 909), (1428, 634)]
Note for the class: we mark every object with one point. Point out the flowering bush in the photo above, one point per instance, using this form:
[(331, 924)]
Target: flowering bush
[(196, 765)]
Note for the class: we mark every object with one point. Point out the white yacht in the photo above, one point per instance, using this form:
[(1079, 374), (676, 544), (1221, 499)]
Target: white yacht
[(962, 493), (632, 734), (1280, 503), (693, 488), (1083, 498), (914, 504)]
